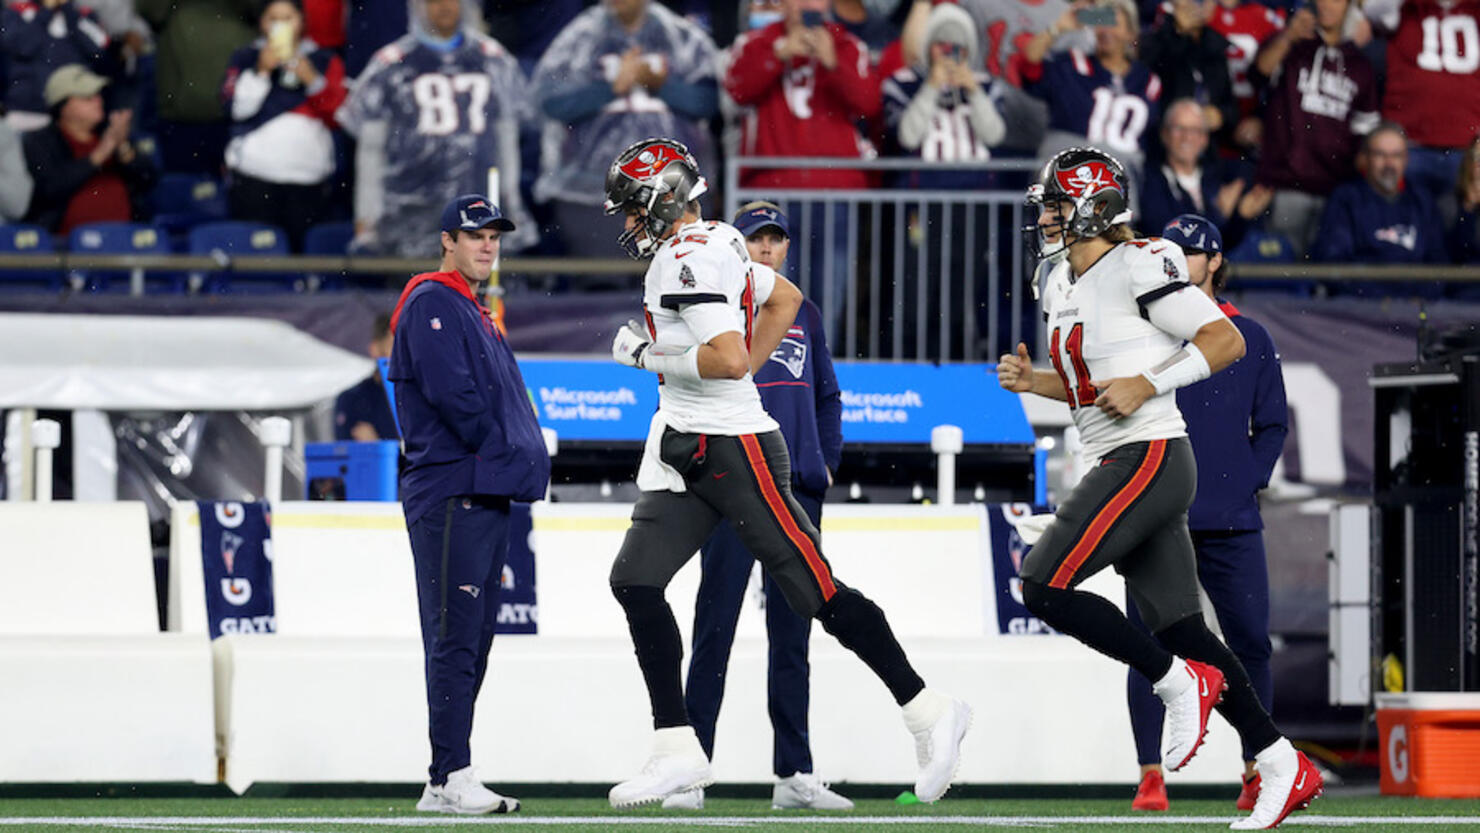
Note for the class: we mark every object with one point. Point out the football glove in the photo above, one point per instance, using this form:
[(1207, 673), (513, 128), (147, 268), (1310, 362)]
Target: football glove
[(631, 345)]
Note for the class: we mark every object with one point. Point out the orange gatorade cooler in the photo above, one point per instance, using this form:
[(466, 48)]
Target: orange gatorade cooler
[(1430, 744)]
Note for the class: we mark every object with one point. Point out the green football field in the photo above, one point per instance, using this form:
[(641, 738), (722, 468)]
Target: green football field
[(1364, 812)]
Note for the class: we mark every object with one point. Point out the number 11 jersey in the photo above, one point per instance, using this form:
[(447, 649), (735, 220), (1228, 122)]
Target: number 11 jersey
[(1113, 321)]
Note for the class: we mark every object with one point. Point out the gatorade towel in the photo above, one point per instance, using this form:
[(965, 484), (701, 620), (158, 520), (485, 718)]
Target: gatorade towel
[(236, 557)]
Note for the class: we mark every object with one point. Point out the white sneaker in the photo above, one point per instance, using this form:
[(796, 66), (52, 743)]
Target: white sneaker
[(1288, 782), (805, 791), (678, 764), (465, 795), (938, 723), (1190, 690), (686, 800)]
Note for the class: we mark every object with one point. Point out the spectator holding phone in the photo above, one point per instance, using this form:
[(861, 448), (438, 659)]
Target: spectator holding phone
[(1106, 100), (282, 93), (941, 110), (1003, 28), (808, 84)]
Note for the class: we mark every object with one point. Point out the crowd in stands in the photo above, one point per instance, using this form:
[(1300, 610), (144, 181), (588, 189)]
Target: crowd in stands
[(1329, 130)]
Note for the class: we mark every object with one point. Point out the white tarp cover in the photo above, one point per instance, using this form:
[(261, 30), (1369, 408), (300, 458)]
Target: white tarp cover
[(117, 362)]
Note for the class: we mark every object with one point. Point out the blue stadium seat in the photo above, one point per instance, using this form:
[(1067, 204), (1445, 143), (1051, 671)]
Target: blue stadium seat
[(123, 239), (328, 238), (182, 201), (1259, 246), (236, 239), (28, 240)]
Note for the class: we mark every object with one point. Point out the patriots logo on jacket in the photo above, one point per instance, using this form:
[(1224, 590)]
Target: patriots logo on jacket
[(686, 277), (792, 354)]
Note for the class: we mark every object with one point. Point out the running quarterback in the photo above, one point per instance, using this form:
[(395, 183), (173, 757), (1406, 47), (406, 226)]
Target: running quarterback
[(711, 316), (1126, 329)]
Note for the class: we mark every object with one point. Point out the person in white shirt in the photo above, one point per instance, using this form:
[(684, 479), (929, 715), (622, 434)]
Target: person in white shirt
[(711, 316), (1126, 329)]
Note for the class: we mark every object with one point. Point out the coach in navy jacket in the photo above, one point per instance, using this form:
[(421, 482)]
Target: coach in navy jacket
[(472, 445), (800, 391), (1237, 422)]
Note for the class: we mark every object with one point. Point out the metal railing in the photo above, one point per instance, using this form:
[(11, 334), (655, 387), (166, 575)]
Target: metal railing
[(961, 282), (924, 274)]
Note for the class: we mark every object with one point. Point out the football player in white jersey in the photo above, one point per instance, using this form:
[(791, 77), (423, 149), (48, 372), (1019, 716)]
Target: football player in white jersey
[(1126, 329), (712, 315)]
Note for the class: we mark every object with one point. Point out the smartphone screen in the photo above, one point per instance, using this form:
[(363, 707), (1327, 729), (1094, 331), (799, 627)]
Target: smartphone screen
[(811, 19), (1096, 16)]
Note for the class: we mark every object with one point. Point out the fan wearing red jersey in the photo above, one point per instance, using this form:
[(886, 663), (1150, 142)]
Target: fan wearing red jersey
[(1433, 86), (1128, 329), (1247, 26), (712, 315)]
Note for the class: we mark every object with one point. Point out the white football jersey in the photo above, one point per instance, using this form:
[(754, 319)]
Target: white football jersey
[(1113, 321), (702, 283)]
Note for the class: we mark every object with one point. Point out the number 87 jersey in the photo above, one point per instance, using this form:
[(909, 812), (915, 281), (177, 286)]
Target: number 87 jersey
[(448, 116), (1130, 311)]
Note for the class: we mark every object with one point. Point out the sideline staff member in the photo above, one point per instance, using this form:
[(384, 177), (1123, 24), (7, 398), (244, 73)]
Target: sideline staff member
[(472, 445)]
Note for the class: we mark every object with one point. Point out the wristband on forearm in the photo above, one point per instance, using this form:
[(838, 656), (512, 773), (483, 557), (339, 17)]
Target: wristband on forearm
[(680, 362), (1182, 368)]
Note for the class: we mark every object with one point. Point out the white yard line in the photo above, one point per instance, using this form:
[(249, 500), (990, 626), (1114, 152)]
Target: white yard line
[(275, 824)]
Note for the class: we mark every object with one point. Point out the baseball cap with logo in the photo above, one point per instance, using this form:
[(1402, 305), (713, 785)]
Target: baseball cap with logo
[(752, 217), (1195, 233), (470, 212), (72, 80)]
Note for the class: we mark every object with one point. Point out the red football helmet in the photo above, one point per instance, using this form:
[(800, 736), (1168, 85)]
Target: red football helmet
[(1093, 183), (656, 179)]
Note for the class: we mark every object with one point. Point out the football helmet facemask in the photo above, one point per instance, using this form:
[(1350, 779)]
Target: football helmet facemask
[(1093, 184), (655, 179)]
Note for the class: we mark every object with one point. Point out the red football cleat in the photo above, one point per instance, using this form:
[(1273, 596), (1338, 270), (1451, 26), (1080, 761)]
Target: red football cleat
[(1250, 793), (1188, 711), (1152, 794), (1297, 792)]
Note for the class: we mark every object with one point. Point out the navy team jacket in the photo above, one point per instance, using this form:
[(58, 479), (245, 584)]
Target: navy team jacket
[(800, 391), (1237, 422), (468, 425)]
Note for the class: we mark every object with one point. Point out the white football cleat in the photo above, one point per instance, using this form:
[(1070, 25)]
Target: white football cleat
[(465, 795), (805, 791), (1288, 782), (939, 723), (678, 764), (686, 800), (1190, 690)]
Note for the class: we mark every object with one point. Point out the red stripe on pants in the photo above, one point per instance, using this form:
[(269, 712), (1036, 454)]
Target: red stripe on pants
[(779, 509), (1155, 452)]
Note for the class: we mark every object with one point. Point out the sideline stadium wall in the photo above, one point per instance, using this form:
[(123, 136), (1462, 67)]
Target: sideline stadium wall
[(337, 694)]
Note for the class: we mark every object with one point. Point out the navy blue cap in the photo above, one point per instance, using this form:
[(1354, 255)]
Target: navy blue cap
[(762, 215), (1194, 232), (470, 212)]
